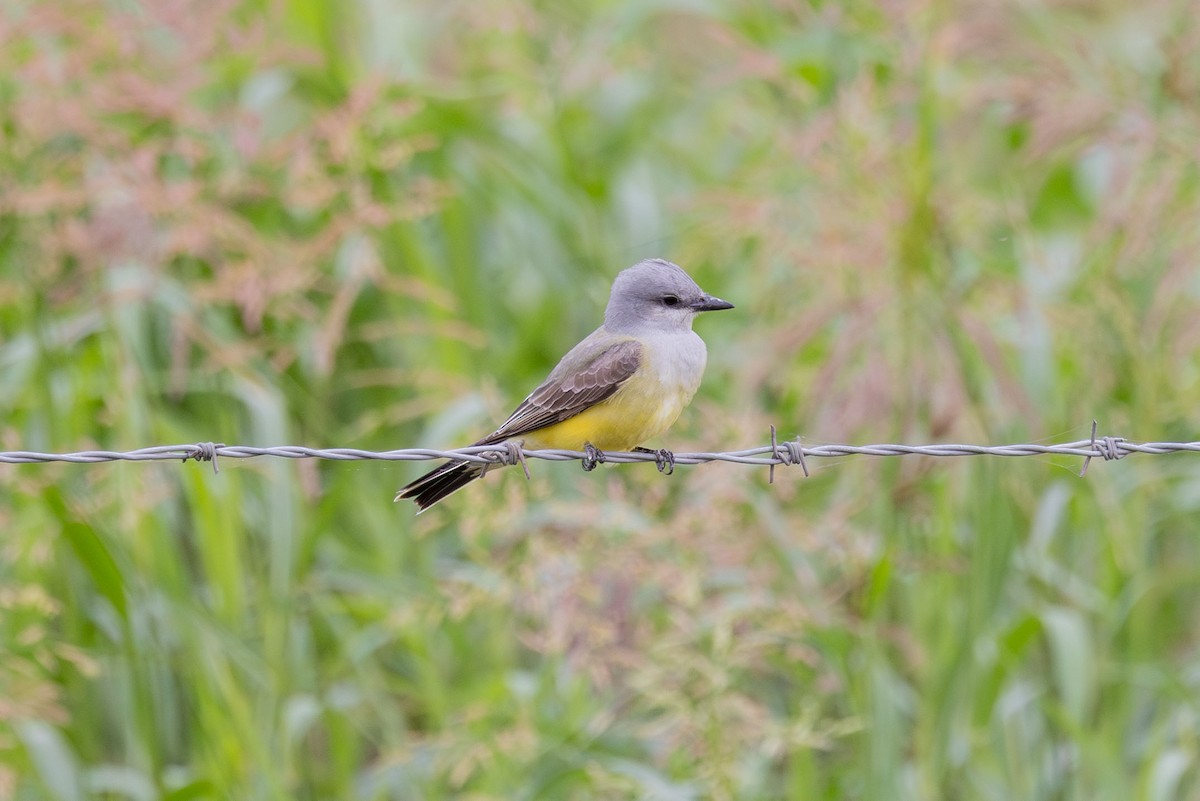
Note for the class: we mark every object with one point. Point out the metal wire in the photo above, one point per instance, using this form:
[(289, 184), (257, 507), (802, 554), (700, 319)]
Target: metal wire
[(774, 454)]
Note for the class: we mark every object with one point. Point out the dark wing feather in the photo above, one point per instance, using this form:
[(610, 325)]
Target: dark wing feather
[(570, 390)]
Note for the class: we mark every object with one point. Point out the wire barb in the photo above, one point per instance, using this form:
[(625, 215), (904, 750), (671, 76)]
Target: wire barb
[(793, 453), (1107, 447), (508, 453), (205, 452), (796, 454), (514, 455)]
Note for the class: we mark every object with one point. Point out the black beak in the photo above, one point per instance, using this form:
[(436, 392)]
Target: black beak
[(709, 303)]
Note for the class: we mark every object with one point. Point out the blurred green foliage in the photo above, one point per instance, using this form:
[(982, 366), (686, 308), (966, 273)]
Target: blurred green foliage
[(378, 224)]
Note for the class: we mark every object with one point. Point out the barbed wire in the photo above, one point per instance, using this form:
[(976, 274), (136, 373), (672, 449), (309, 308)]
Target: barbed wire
[(772, 455)]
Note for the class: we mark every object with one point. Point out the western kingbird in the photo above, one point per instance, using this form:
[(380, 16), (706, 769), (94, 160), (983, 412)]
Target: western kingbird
[(626, 382)]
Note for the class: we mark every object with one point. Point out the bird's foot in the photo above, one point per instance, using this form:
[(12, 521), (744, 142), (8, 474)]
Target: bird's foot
[(592, 456), (663, 459)]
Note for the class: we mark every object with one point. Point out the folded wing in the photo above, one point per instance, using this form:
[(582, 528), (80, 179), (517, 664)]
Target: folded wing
[(580, 381)]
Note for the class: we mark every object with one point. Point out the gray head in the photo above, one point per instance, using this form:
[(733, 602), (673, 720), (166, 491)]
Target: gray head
[(656, 294)]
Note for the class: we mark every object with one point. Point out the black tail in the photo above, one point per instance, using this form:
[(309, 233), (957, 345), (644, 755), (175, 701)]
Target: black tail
[(440, 482)]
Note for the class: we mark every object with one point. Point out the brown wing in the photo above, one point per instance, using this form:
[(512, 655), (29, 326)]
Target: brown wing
[(585, 376)]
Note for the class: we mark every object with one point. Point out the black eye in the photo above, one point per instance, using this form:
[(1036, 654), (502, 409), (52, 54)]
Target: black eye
[(670, 300)]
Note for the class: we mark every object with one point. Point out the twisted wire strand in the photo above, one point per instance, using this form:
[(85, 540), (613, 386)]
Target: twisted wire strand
[(774, 454)]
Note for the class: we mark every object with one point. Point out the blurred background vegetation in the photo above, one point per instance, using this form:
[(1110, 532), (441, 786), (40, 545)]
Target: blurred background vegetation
[(379, 223)]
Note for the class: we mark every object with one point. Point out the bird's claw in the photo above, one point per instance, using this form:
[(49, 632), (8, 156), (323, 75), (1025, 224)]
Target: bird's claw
[(664, 460), (592, 456)]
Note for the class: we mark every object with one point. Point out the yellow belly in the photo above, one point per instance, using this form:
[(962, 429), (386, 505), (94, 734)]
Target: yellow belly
[(638, 411)]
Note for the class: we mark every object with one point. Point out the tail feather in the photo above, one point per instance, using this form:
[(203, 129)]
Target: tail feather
[(439, 483)]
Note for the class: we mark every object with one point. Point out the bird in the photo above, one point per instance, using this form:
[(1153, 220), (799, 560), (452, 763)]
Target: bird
[(623, 384)]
